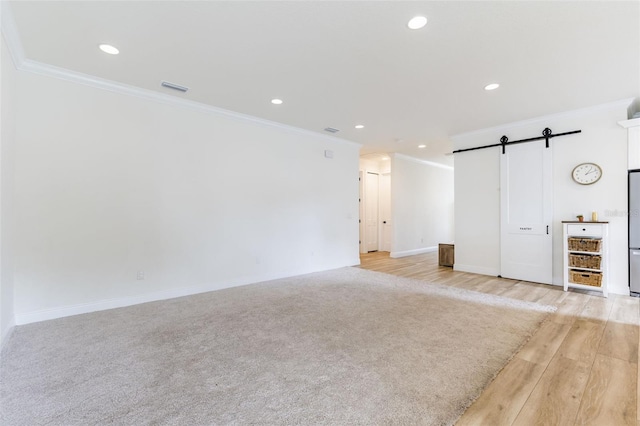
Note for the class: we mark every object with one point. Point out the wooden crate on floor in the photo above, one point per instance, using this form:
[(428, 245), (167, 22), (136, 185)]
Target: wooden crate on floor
[(446, 255)]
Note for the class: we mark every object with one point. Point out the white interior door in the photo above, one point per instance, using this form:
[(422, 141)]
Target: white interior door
[(526, 213), (371, 187), (385, 212)]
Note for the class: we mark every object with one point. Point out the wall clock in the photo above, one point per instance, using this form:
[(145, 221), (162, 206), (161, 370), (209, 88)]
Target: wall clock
[(586, 173)]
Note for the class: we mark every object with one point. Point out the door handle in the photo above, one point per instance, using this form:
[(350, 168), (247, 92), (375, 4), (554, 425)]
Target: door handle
[(547, 229), (384, 221)]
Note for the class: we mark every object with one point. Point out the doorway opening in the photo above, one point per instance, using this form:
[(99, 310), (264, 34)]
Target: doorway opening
[(375, 203)]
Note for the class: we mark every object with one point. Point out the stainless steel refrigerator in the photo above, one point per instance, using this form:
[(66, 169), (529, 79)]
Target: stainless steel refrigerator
[(634, 231)]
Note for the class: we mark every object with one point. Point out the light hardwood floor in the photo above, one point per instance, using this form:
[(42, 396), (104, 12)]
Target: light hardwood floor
[(581, 366)]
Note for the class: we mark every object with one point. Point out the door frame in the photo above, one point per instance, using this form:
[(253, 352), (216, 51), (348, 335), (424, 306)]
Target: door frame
[(384, 213), (367, 241)]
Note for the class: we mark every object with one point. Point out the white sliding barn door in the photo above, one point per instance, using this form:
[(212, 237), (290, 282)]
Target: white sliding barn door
[(526, 212)]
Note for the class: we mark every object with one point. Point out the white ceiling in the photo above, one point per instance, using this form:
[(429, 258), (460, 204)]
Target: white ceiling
[(342, 63)]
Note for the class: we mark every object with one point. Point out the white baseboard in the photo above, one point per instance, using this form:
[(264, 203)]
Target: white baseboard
[(101, 305), (85, 308), (396, 254), (482, 270)]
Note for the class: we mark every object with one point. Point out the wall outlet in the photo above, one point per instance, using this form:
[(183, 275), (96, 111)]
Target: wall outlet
[(140, 275)]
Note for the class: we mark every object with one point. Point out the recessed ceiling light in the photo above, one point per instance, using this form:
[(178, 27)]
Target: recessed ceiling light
[(359, 126), (422, 146), (492, 86), (417, 22), (385, 158), (107, 48), (276, 101)]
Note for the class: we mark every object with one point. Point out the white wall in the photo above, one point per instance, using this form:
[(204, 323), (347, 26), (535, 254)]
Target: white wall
[(422, 200), (477, 182), (477, 213), (7, 138), (109, 184)]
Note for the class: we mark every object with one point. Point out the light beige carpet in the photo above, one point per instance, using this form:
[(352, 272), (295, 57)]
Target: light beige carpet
[(347, 346)]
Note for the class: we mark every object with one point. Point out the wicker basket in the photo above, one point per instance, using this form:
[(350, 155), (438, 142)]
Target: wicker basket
[(593, 279), (584, 261), (585, 244)]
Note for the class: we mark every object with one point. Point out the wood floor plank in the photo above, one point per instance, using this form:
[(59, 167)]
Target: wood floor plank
[(598, 309), (570, 308), (541, 348), (610, 395), (462, 280), (554, 297), (492, 285), (526, 292), (583, 341), (620, 341), (500, 402), (626, 310), (555, 400)]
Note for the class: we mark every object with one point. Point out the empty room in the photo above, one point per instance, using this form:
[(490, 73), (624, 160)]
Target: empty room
[(319, 212)]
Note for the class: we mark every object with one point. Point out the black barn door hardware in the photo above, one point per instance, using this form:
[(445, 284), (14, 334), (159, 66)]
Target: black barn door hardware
[(504, 141)]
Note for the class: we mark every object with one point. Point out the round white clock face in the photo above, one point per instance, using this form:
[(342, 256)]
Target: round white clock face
[(586, 173)]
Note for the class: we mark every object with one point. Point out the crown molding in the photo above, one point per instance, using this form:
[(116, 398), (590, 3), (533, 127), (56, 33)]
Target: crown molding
[(543, 120), (12, 38), (425, 162), (47, 70)]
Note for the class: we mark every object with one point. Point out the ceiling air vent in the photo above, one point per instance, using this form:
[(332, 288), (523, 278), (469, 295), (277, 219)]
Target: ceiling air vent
[(174, 86), (331, 130)]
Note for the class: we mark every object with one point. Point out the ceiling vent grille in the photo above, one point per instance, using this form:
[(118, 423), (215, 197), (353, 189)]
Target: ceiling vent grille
[(331, 130), (174, 86)]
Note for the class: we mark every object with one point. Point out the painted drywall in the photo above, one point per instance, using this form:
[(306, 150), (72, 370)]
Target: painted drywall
[(477, 213), (477, 182), (422, 205), (7, 139), (109, 186)]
